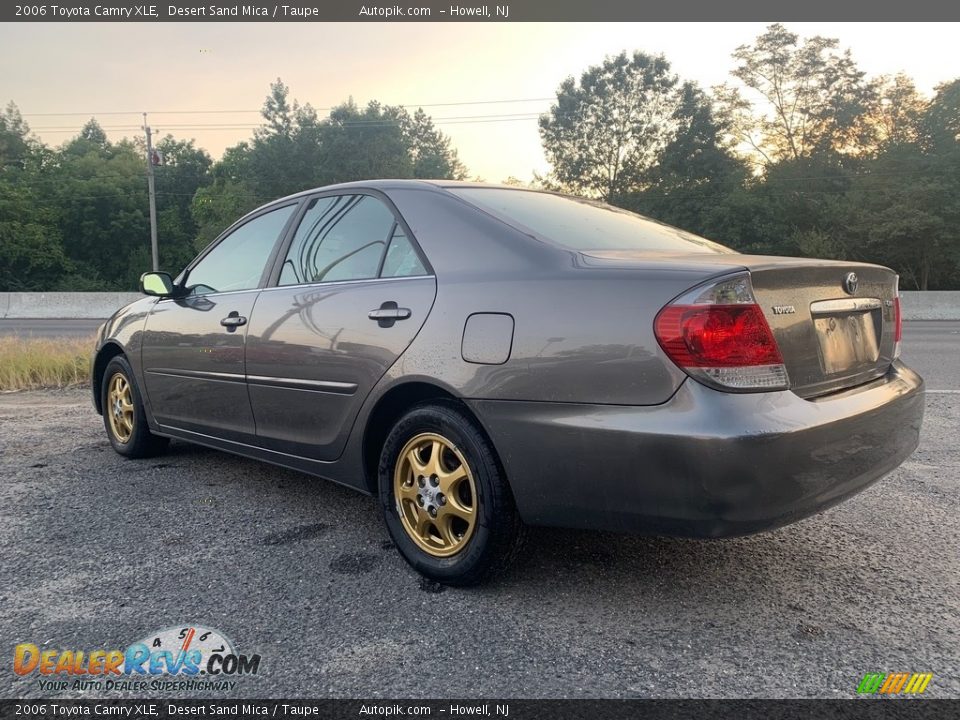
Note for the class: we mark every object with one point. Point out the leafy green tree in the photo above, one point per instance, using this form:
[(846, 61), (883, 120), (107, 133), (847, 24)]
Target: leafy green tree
[(695, 173), (804, 205), (940, 122), (14, 138), (215, 207), (31, 252), (100, 192), (295, 150), (432, 154), (905, 205), (285, 153), (278, 112), (383, 141), (185, 170), (365, 143), (280, 159), (897, 112), (607, 130), (31, 249), (905, 213), (800, 99), (229, 195)]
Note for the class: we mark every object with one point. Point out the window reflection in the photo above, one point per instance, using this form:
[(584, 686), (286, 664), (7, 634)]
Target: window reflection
[(339, 238)]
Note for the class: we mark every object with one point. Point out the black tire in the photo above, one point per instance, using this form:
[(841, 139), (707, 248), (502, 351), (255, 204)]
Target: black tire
[(498, 533), (140, 442)]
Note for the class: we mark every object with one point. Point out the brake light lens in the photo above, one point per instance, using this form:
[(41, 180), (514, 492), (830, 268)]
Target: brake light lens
[(718, 335)]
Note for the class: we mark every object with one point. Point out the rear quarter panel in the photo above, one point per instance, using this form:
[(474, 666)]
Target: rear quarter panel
[(581, 333)]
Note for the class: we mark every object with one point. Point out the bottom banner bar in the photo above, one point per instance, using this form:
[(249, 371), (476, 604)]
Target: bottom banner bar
[(863, 709)]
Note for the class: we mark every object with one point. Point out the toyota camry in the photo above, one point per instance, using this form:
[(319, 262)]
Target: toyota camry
[(481, 359)]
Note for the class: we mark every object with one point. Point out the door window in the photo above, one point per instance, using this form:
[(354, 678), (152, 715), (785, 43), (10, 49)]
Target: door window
[(238, 261), (340, 238), (402, 260)]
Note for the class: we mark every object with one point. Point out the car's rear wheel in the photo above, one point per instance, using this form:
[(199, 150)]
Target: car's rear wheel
[(445, 498), (123, 414)]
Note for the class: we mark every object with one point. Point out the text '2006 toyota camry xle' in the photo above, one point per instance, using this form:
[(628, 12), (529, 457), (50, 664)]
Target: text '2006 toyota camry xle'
[(483, 358)]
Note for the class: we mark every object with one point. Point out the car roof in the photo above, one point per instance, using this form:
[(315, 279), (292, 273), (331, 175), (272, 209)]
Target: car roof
[(397, 184)]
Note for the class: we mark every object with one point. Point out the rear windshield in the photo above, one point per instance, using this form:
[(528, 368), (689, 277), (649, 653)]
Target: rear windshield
[(582, 224)]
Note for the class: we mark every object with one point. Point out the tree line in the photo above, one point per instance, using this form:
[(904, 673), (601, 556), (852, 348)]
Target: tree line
[(76, 217), (799, 154)]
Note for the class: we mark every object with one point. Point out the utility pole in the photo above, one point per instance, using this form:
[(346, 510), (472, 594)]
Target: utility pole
[(153, 197)]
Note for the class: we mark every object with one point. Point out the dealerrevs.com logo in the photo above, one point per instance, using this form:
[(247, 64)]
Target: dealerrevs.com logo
[(197, 658)]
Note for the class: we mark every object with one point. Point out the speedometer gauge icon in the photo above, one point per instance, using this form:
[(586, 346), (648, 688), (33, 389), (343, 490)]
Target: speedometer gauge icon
[(176, 640)]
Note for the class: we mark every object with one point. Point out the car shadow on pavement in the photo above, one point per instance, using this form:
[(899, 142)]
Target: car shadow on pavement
[(818, 556)]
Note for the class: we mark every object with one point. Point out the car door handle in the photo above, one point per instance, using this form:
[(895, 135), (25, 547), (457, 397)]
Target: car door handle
[(388, 313), (232, 321)]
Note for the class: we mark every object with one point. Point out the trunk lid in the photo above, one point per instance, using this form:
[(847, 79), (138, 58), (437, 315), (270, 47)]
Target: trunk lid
[(833, 333), (840, 333)]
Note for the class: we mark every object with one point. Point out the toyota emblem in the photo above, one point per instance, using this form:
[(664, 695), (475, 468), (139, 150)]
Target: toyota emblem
[(850, 283)]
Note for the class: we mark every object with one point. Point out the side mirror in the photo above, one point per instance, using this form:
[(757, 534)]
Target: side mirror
[(159, 284)]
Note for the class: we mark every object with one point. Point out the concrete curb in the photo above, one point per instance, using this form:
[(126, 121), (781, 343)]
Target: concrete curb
[(78, 305), (931, 305)]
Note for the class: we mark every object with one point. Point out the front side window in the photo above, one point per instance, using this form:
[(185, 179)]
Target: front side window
[(340, 238), (238, 261)]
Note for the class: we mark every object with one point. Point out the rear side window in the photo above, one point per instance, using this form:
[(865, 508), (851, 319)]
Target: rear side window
[(584, 225), (340, 238), (401, 260)]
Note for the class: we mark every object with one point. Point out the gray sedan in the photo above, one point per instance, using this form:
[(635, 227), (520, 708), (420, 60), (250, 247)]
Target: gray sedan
[(484, 358)]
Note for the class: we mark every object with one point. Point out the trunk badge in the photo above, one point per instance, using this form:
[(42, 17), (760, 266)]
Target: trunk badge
[(784, 309), (850, 283)]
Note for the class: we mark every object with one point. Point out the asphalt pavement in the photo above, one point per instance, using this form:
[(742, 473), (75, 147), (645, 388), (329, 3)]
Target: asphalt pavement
[(98, 551)]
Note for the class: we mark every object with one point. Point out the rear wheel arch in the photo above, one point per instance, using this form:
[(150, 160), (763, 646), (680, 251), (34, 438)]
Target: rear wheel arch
[(108, 352), (457, 522), (393, 405)]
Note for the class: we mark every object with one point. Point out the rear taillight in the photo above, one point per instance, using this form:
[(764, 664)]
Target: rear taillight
[(897, 321), (717, 334)]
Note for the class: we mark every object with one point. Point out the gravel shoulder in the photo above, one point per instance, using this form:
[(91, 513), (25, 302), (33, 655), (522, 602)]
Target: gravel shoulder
[(98, 551)]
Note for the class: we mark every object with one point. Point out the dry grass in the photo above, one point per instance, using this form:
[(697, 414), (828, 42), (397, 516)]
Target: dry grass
[(28, 363)]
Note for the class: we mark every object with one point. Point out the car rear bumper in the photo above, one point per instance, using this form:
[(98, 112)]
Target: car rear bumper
[(705, 463)]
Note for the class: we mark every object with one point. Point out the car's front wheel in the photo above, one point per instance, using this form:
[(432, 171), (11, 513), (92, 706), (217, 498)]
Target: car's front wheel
[(123, 414), (445, 498)]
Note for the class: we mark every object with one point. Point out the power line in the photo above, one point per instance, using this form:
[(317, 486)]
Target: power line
[(376, 121), (346, 124), (323, 109)]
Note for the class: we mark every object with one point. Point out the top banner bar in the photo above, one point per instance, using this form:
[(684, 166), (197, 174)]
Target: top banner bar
[(502, 11)]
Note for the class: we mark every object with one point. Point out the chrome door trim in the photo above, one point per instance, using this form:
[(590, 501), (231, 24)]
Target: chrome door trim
[(329, 386)]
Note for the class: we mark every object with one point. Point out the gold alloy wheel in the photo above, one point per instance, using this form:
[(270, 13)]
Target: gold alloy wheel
[(436, 495), (120, 407)]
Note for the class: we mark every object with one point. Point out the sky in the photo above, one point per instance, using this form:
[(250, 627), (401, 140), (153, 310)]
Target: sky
[(461, 73)]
